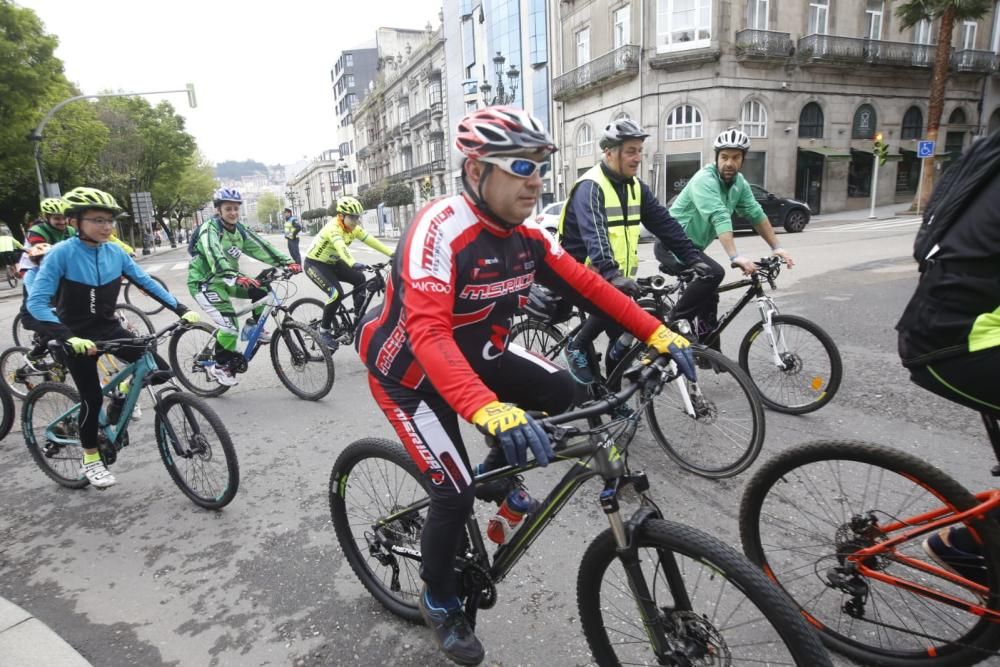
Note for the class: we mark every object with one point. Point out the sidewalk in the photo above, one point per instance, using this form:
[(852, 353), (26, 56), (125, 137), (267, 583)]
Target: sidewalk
[(26, 641), (886, 212)]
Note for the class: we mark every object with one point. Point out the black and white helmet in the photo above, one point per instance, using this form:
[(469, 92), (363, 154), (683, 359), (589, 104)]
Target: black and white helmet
[(732, 138), (616, 132)]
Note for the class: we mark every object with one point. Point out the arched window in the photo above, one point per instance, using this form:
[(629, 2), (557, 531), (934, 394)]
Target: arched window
[(623, 115), (957, 117), (811, 122), (584, 141), (753, 119), (684, 122), (913, 124), (864, 123)]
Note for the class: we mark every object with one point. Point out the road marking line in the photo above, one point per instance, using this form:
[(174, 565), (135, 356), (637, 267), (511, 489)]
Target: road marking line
[(154, 268), (179, 265), (872, 226)]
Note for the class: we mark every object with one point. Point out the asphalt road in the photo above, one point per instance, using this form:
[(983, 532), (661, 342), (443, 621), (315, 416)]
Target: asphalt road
[(139, 575)]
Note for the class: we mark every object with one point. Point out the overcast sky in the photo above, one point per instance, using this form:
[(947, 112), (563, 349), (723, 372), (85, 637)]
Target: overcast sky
[(261, 69)]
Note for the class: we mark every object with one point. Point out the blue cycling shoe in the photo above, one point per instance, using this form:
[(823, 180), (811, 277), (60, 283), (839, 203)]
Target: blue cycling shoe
[(452, 631)]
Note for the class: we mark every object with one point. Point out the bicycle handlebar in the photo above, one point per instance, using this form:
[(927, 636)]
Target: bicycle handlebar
[(113, 344)]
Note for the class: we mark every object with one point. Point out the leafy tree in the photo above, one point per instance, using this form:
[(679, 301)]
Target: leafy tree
[(949, 12), (180, 199), (373, 196), (31, 82), (269, 207), (398, 194)]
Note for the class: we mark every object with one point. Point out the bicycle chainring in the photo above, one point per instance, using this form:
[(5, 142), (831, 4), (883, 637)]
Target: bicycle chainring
[(477, 578), (238, 364)]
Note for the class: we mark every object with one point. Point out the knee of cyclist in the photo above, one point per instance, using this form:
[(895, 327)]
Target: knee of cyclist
[(446, 499), (227, 338)]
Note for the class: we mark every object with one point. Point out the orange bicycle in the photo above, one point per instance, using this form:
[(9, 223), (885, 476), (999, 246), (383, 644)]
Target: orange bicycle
[(840, 526)]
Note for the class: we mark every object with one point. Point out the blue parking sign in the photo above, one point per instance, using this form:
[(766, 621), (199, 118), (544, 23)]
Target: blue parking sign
[(925, 149)]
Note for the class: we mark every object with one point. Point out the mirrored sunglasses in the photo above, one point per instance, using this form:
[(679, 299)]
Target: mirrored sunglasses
[(517, 166)]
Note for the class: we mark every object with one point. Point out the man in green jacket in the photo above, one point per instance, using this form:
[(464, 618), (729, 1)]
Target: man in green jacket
[(705, 210), (214, 276)]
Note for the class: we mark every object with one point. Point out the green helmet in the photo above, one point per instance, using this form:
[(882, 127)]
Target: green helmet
[(54, 206), (350, 206), (82, 198)]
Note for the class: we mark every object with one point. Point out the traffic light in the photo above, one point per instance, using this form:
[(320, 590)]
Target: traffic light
[(880, 149)]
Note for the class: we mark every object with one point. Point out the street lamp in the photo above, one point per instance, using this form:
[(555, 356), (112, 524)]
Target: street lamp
[(502, 97), (341, 168), (36, 135), (308, 203)]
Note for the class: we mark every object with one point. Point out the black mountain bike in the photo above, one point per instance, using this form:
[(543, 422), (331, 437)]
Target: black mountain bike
[(713, 428), (650, 591), (794, 363), (345, 322)]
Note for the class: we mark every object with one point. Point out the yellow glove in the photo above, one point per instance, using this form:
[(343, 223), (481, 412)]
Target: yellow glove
[(191, 317), (81, 345), (515, 431), (665, 341)]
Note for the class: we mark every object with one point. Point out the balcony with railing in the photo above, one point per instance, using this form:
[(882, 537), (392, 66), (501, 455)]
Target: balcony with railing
[(435, 166), (421, 118), (363, 153), (621, 63), (765, 47), (437, 108), (853, 51), (975, 62)]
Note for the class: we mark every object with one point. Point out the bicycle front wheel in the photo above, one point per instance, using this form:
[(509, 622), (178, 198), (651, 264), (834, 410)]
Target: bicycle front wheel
[(808, 509), (308, 310), (133, 319), (303, 363), (20, 335), (7, 407), (800, 373), (372, 479), (540, 338), (197, 450), (140, 298), (711, 605), (51, 433), (192, 351), (723, 433)]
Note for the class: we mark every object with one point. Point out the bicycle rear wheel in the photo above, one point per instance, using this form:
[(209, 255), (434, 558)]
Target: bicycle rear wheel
[(51, 433), (191, 351), (138, 297), (713, 606), (540, 338), (726, 433), (20, 377), (133, 319), (810, 371), (20, 335), (197, 450), (809, 508), (303, 363), (371, 479), (307, 310)]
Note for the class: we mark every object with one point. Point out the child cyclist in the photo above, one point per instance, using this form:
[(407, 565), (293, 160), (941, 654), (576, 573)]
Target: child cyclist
[(214, 276), (84, 275), (328, 261)]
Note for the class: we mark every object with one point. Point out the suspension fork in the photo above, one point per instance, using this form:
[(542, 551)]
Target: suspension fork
[(767, 310)]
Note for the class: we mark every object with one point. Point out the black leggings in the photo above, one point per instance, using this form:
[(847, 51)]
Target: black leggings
[(429, 430), (701, 297), (83, 368), (972, 380), (327, 277)]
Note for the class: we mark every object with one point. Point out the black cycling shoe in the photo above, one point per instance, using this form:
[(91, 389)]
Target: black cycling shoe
[(452, 631)]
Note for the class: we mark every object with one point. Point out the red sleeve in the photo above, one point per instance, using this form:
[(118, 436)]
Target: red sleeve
[(34, 239), (602, 296)]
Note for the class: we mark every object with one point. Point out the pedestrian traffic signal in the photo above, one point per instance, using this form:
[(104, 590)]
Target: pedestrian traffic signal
[(879, 149)]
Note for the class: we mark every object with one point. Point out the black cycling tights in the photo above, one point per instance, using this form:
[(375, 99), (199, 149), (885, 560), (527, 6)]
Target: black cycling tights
[(972, 380), (83, 368)]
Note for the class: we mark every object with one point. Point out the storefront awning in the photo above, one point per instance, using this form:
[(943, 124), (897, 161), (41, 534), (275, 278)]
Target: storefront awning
[(826, 151)]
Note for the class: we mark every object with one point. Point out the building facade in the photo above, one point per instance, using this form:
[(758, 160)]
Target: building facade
[(351, 78), (319, 184), (499, 51), (811, 83), (401, 132)]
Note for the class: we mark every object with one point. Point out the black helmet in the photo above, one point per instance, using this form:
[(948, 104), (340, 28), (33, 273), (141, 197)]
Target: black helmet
[(542, 304), (617, 132)]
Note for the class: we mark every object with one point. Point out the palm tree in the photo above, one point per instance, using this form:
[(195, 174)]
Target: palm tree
[(911, 13)]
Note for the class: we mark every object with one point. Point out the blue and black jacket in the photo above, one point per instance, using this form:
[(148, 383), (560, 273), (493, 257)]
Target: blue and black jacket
[(85, 281)]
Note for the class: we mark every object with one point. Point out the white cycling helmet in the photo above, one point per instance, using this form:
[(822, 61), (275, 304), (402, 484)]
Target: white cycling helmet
[(732, 138)]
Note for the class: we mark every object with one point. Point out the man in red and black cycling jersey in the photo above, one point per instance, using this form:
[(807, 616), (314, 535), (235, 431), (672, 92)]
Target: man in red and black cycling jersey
[(437, 349)]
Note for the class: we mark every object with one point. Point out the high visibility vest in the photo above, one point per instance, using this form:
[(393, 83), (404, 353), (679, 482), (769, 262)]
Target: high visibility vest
[(290, 231), (623, 222)]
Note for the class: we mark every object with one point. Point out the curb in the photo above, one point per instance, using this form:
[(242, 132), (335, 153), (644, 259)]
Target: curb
[(27, 642)]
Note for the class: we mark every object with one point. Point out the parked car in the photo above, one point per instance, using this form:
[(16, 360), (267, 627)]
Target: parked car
[(791, 214), (549, 219)]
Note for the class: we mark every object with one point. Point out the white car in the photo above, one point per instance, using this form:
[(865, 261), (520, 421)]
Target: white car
[(549, 219)]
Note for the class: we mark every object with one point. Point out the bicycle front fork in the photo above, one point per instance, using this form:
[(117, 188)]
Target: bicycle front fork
[(774, 339)]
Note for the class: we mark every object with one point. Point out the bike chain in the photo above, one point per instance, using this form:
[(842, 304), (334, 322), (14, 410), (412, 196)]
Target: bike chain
[(477, 578)]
